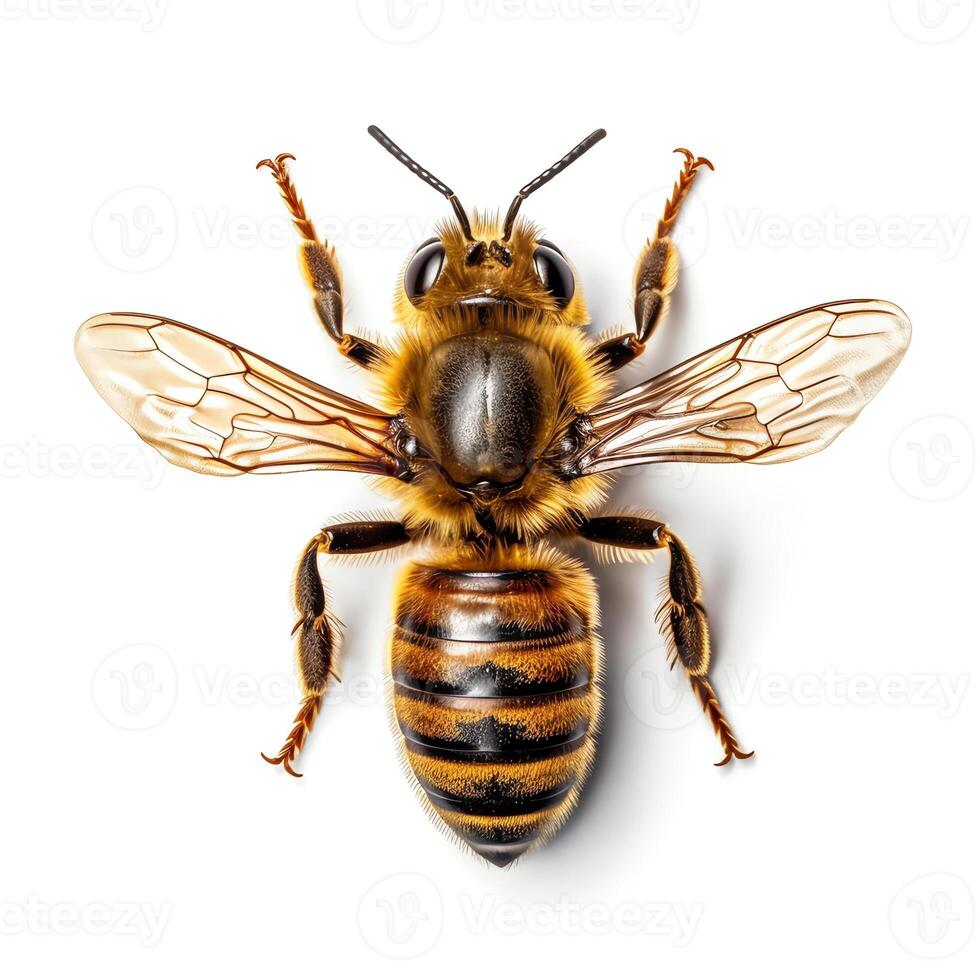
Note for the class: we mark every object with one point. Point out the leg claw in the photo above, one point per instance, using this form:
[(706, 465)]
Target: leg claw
[(302, 724), (692, 162), (282, 760), (277, 166)]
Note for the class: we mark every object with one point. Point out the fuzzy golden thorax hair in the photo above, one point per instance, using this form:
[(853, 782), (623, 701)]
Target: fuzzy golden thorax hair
[(544, 501)]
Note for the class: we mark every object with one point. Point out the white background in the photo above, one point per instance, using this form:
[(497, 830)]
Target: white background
[(146, 654)]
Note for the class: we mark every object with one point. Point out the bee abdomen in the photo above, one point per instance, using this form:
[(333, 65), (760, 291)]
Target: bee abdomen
[(496, 697)]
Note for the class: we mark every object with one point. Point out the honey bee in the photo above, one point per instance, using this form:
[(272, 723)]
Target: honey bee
[(497, 429)]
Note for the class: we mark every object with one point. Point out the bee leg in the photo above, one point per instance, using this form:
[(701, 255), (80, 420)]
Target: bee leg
[(681, 617), (656, 274), (321, 270), (316, 630)]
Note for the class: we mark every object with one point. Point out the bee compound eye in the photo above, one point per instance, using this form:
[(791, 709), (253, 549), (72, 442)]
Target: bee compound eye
[(554, 273), (551, 245), (424, 268)]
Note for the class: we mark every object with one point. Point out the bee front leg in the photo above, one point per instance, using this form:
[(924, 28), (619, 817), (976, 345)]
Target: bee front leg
[(321, 270), (317, 631), (656, 274), (681, 617)]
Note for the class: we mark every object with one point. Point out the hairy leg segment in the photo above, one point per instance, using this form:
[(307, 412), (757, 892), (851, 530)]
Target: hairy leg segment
[(681, 617), (321, 270), (656, 273), (317, 631)]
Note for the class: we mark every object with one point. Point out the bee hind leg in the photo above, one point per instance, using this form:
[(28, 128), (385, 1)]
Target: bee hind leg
[(682, 617), (316, 634), (321, 270), (656, 273), (317, 631)]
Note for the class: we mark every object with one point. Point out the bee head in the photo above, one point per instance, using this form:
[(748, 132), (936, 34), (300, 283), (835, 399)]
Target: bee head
[(489, 264), (451, 274)]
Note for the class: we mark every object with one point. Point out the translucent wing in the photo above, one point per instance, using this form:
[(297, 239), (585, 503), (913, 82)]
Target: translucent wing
[(213, 407), (773, 394)]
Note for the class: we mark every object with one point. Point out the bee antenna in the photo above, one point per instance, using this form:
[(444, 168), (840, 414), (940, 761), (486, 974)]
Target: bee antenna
[(553, 171), (403, 158)]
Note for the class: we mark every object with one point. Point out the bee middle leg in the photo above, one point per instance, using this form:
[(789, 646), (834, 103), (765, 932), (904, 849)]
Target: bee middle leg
[(317, 630), (682, 617), (656, 274), (321, 270)]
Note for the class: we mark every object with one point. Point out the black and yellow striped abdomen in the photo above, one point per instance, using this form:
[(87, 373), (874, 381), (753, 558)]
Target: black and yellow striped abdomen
[(496, 692)]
